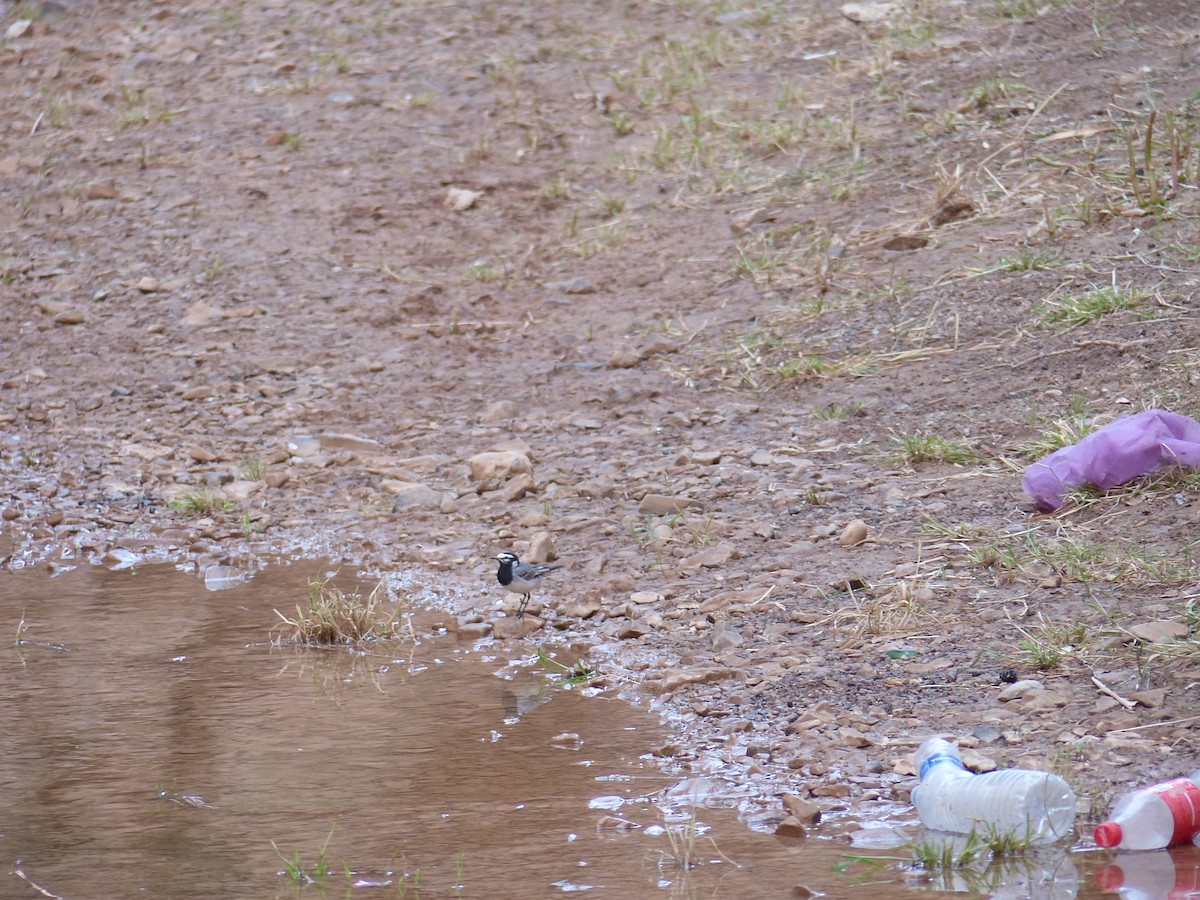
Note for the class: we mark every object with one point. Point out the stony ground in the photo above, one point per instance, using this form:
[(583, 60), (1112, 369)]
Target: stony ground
[(763, 309)]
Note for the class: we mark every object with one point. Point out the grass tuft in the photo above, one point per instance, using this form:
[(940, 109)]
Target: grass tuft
[(201, 502), (335, 617), (251, 468), (1076, 310), (924, 447), (1046, 645), (300, 874), (1060, 432), (580, 673), (941, 855), (836, 412), (683, 839)]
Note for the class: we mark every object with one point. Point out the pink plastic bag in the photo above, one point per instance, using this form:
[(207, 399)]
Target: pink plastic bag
[(1123, 449)]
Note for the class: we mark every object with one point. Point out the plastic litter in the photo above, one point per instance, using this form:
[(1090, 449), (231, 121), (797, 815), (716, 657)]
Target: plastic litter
[(1172, 875), (1123, 449), (222, 578), (1022, 802), (1151, 818)]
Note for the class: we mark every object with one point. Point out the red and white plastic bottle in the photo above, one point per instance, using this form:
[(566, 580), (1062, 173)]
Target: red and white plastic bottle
[(1151, 818), (1169, 875)]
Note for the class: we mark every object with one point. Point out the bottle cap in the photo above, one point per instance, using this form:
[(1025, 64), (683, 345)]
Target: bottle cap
[(942, 756), (1107, 834)]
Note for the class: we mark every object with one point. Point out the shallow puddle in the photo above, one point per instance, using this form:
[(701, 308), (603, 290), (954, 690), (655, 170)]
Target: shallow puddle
[(157, 744)]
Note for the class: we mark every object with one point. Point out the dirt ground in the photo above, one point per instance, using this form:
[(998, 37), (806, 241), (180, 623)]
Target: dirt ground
[(778, 299)]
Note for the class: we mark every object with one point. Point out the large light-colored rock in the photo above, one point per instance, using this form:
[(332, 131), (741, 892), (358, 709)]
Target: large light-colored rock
[(1160, 632), (662, 505), (643, 597), (500, 411), (410, 495), (240, 491), (726, 636), (711, 557), (510, 628), (521, 485), (802, 809), (583, 608), (498, 464), (200, 313), (541, 548), (147, 452), (790, 827), (854, 533), (674, 679), (1019, 689)]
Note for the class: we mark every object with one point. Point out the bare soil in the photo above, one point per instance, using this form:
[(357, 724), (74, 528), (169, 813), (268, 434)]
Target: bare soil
[(266, 266)]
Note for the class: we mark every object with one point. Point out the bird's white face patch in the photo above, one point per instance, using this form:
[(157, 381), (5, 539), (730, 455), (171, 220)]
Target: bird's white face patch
[(506, 557)]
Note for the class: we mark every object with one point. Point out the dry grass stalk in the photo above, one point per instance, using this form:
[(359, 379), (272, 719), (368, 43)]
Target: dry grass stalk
[(891, 611)]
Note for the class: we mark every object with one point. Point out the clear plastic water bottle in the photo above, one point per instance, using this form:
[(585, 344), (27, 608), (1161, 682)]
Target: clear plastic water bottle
[(1154, 817), (1022, 802)]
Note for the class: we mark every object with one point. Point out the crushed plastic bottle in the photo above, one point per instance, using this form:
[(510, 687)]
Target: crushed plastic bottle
[(1155, 817), (222, 578), (1021, 802)]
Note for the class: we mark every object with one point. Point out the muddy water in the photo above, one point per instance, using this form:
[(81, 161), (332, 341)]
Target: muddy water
[(155, 743)]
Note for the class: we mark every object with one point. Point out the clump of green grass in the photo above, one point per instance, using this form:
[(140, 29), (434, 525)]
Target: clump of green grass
[(989, 91), (803, 365), (554, 191), (201, 502), (836, 412), (924, 447), (300, 874), (682, 854), (1025, 261), (1076, 310), (609, 204), (580, 673), (1089, 562), (758, 267), (948, 854), (1003, 842), (1061, 431), (333, 616), (682, 839), (1023, 9), (945, 855), (251, 468), (481, 270), (1048, 644), (949, 861), (1191, 616), (597, 239), (1031, 262)]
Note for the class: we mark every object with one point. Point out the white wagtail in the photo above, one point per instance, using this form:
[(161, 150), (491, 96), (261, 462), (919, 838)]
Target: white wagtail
[(520, 578)]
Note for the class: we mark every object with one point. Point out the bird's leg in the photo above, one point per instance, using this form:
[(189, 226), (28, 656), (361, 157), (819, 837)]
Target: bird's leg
[(521, 608)]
